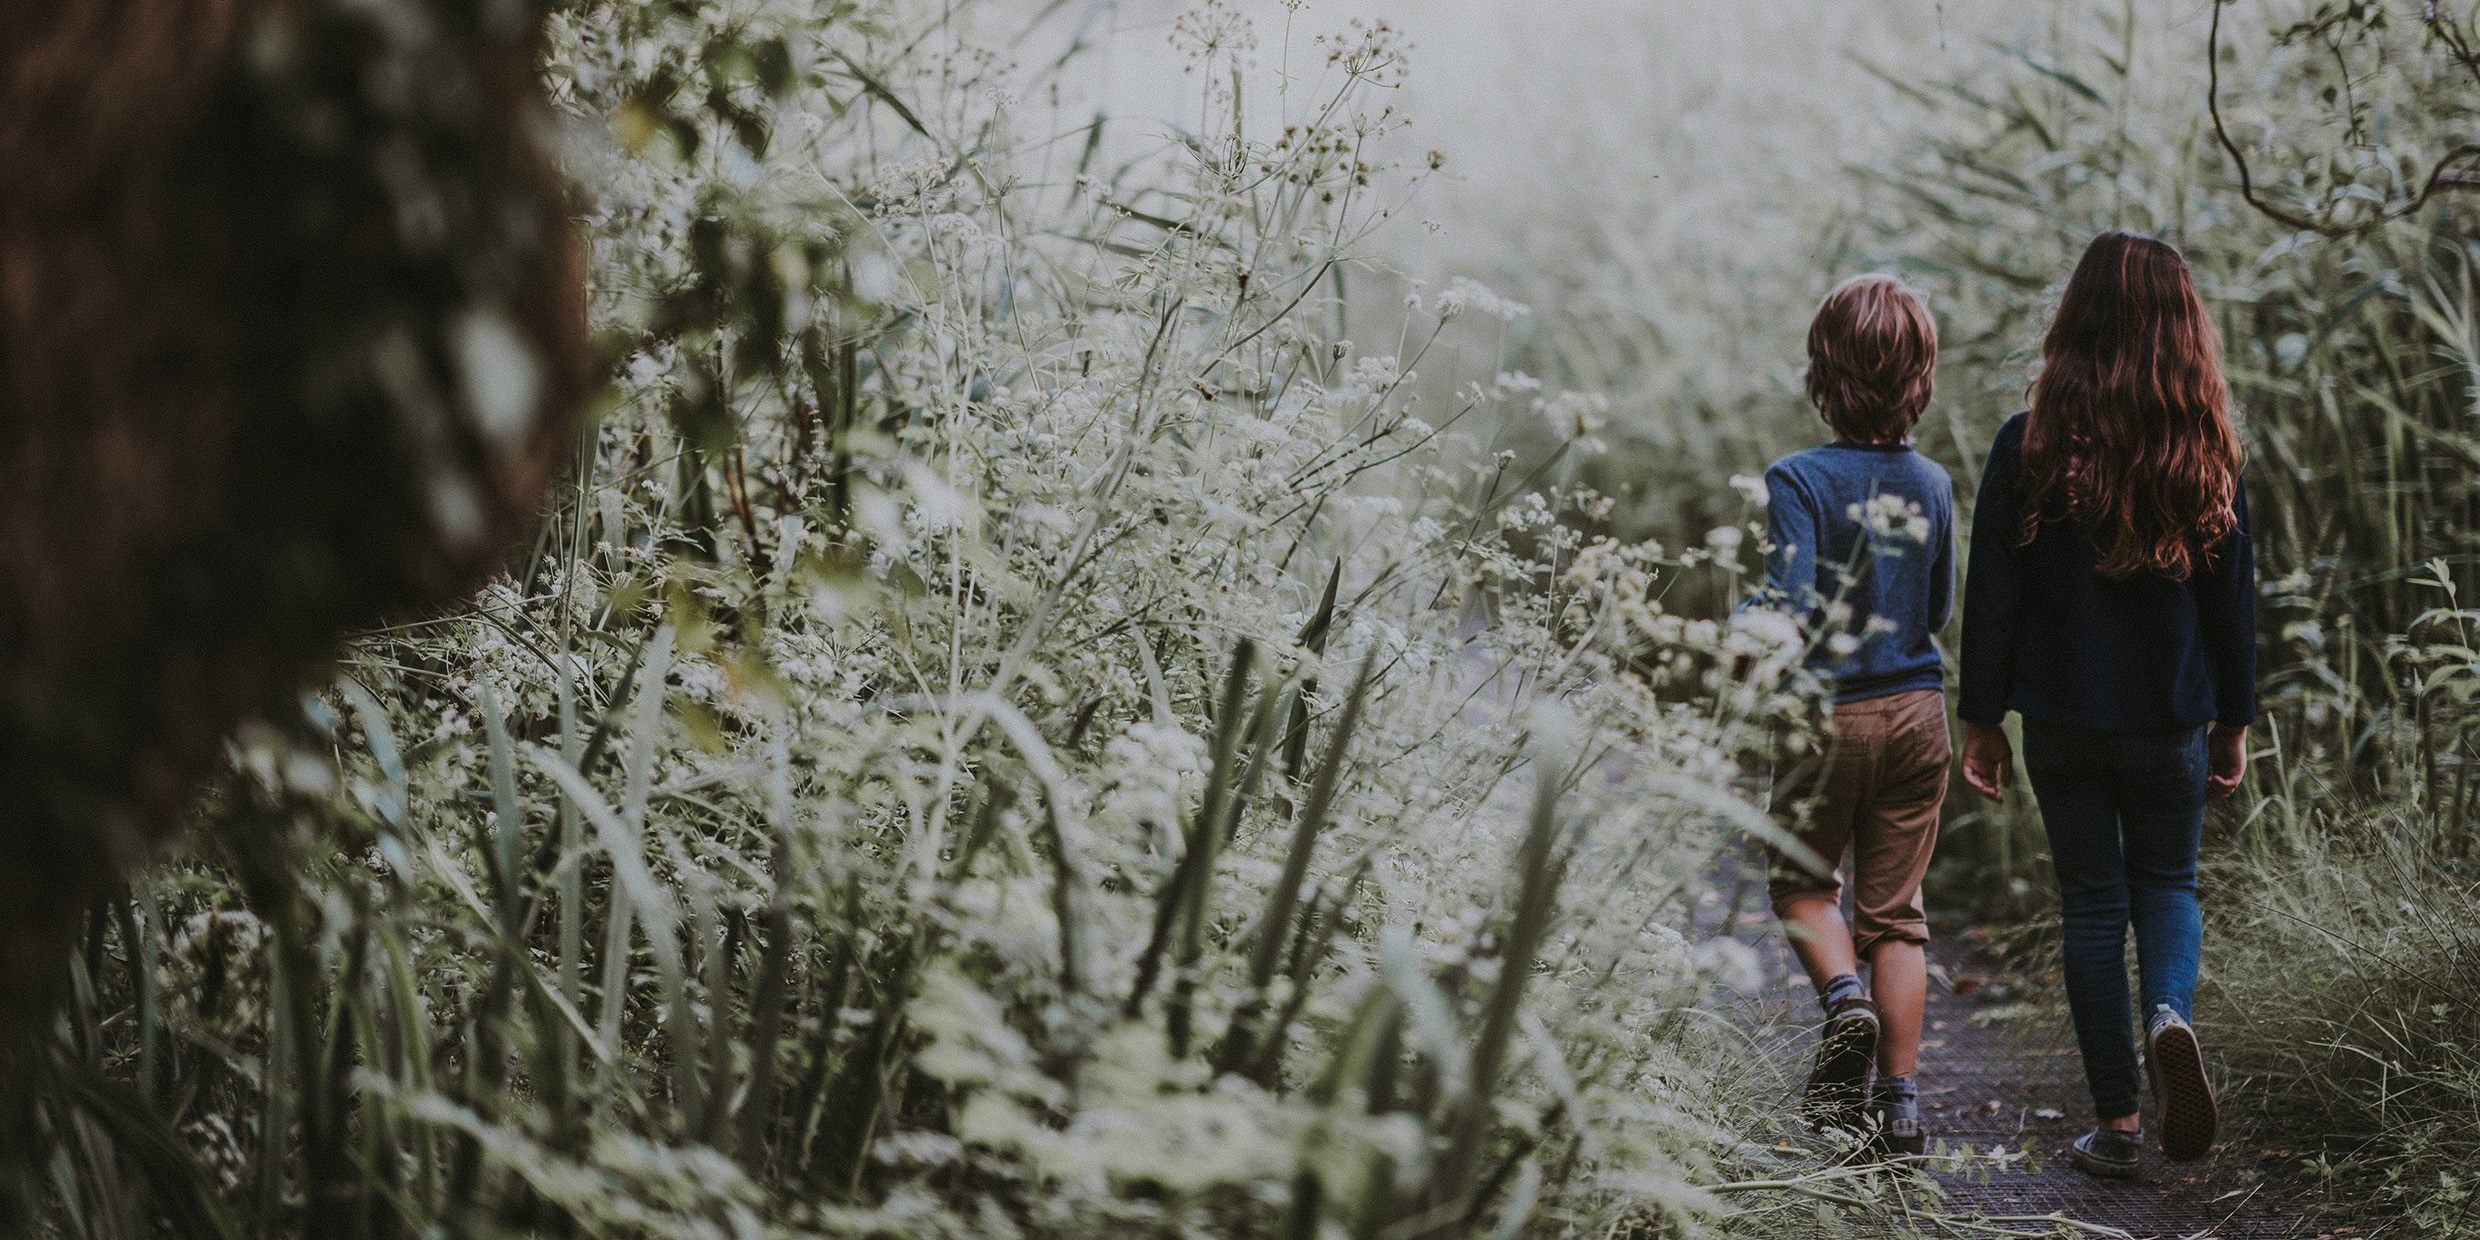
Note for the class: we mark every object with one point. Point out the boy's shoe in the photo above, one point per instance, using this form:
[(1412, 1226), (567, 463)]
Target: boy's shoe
[(1897, 1132), (2107, 1152), (1845, 1049), (2180, 1090)]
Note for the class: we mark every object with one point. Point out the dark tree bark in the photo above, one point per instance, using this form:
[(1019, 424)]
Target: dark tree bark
[(291, 340)]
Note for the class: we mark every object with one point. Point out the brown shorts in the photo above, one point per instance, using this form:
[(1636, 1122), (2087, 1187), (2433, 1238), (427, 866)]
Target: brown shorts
[(1875, 790)]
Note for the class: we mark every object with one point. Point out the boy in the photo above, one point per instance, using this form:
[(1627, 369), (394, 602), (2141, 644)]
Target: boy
[(1861, 552)]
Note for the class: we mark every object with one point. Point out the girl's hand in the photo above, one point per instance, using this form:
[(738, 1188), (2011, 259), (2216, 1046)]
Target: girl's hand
[(2225, 760), (1988, 761)]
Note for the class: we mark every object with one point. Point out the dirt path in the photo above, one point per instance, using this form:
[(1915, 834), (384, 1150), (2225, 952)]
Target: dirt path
[(1997, 1071)]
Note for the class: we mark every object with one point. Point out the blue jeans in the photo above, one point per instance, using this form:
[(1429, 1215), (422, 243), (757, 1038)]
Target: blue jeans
[(2123, 811)]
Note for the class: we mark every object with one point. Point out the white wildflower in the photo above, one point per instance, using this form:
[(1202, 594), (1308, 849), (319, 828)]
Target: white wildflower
[(1150, 760), (1463, 294), (1376, 374), (1574, 416), (1885, 514), (1212, 29), (1751, 488), (1731, 963), (1766, 631), (936, 504)]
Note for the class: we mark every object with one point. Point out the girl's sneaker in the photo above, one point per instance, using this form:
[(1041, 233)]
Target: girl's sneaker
[(1845, 1049), (2107, 1152), (2180, 1090)]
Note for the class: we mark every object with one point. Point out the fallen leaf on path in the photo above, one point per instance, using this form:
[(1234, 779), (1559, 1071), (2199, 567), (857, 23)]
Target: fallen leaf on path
[(2048, 1113), (2004, 1012)]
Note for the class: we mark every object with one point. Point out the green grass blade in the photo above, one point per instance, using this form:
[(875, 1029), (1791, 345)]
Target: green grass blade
[(775, 959), (1205, 838), (382, 741), (1536, 899), (645, 898), (1275, 925), (509, 839)]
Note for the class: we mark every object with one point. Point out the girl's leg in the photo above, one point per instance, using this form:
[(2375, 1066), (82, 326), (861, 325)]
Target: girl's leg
[(2073, 775), (2164, 818)]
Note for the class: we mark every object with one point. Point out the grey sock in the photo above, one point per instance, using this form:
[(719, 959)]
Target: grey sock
[(1897, 1097), (1839, 988)]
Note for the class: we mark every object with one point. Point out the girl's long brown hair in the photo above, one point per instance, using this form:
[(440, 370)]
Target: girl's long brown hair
[(2130, 432)]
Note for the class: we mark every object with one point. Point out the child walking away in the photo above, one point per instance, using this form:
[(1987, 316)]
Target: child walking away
[(1860, 551), (2112, 604)]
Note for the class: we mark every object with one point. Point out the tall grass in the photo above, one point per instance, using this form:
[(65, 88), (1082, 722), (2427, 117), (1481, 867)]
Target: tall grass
[(2337, 969), (2340, 890), (1012, 729)]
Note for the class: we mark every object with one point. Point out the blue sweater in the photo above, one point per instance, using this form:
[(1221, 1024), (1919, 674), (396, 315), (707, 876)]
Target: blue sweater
[(1896, 573), (2045, 635)]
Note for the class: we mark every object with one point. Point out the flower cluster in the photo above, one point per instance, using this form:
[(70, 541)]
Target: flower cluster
[(1887, 515)]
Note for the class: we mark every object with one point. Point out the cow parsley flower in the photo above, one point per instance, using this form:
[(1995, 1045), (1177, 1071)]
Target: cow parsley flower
[(1463, 295)]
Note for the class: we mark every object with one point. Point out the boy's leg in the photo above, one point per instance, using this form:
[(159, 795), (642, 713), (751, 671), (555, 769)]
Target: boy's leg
[(1818, 935), (1893, 838), (1899, 981), (1809, 906)]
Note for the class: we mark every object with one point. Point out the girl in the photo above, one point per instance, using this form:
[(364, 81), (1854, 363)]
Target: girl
[(2111, 603)]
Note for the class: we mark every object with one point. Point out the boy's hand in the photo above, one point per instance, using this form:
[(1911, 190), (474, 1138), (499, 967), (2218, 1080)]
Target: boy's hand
[(2225, 760), (1988, 761)]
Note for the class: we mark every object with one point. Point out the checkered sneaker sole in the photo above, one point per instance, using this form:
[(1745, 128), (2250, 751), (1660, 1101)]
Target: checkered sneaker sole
[(2188, 1114)]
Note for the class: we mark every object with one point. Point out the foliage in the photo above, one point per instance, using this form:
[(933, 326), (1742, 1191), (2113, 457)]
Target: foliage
[(2350, 345), (2350, 353), (1016, 727), (1010, 731)]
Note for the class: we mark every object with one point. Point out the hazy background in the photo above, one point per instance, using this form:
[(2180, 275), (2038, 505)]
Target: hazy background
[(1671, 186)]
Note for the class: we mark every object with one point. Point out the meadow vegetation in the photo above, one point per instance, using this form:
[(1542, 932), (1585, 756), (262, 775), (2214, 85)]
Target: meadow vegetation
[(1012, 729), (1018, 726), (2342, 969)]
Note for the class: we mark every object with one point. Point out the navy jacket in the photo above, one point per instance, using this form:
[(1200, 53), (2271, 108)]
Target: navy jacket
[(1821, 554), (2045, 635)]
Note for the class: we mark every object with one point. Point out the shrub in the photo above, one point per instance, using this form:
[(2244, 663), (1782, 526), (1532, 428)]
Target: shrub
[(1010, 730)]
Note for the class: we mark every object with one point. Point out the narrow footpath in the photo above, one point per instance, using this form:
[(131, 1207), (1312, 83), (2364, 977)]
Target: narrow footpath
[(1999, 1070)]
